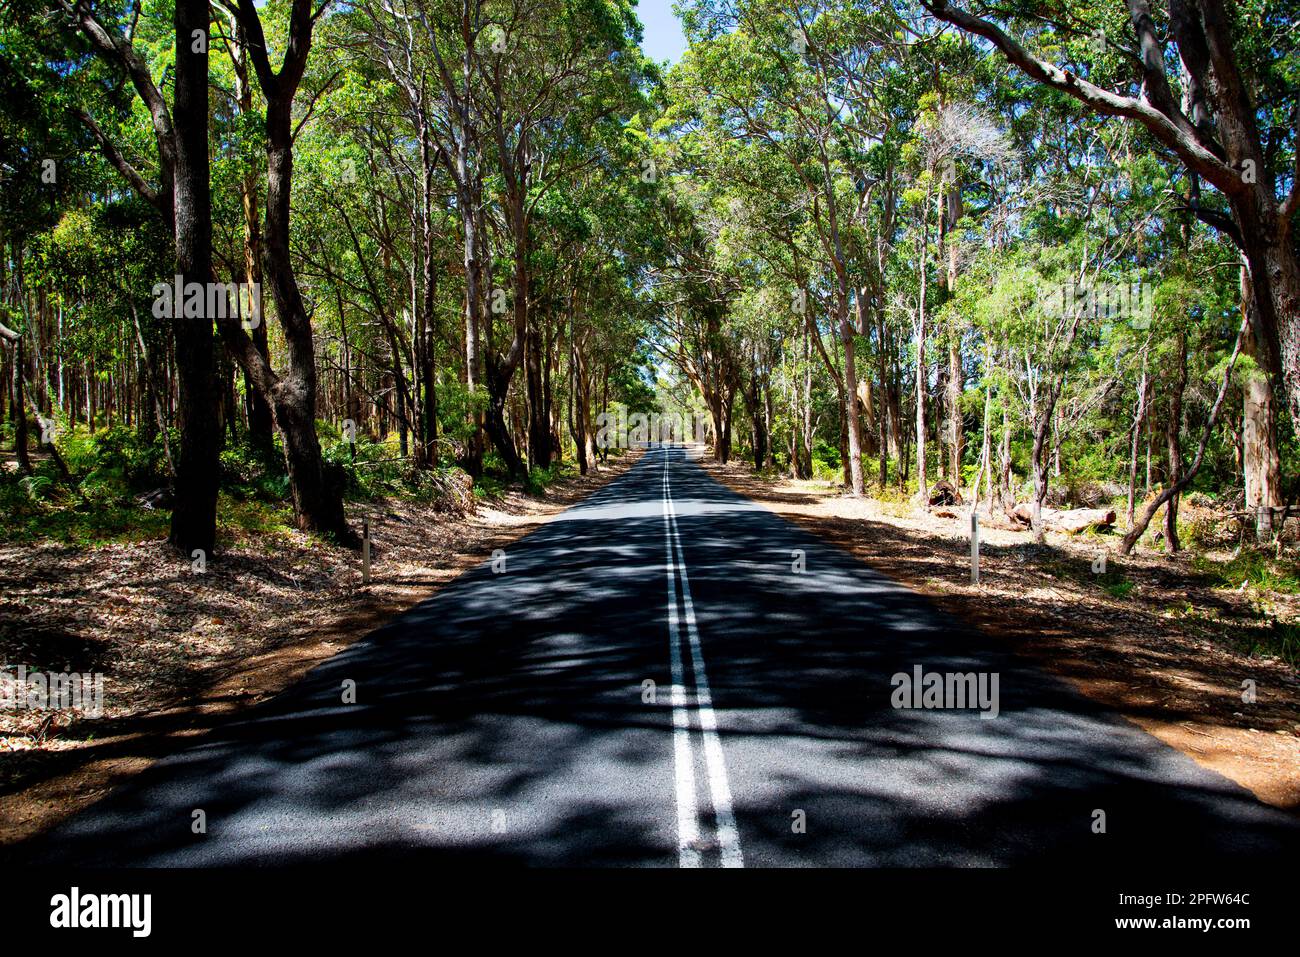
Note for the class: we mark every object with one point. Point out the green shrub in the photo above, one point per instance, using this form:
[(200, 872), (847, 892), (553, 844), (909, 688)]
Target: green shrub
[(117, 455), (36, 487), (540, 479)]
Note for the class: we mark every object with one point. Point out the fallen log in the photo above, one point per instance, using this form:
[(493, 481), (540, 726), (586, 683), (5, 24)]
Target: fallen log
[(1073, 520)]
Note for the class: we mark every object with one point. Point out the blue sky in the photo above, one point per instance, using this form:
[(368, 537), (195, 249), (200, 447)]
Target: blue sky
[(663, 31)]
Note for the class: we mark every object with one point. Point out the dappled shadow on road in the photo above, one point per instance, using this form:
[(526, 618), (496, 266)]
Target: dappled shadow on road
[(1137, 653), (509, 719), (182, 652)]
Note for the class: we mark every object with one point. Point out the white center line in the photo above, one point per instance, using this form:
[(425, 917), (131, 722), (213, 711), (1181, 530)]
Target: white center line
[(715, 762), (688, 831)]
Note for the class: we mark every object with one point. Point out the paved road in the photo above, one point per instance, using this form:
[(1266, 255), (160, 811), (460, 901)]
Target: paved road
[(510, 719)]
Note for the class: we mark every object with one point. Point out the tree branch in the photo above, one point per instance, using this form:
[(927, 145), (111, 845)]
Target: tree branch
[(1189, 149)]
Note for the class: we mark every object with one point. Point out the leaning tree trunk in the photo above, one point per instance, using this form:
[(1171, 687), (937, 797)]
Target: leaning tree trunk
[(498, 383), (317, 495), (1136, 532)]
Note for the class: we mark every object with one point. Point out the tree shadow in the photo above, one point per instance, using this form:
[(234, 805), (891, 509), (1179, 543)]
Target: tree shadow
[(508, 719)]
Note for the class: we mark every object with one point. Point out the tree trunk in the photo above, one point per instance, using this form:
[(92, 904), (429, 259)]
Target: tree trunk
[(921, 485), (1038, 464), (317, 497), (428, 451), (852, 420), (194, 513), (1173, 441), (1139, 423), (803, 460), (758, 419), (539, 426), (956, 430), (498, 382), (261, 427), (1260, 458), (18, 411)]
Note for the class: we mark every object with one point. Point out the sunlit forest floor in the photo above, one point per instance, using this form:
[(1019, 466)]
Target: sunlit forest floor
[(181, 650), (1165, 641)]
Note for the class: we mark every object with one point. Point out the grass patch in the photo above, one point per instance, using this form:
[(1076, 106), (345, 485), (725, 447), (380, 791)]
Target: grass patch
[(80, 523), (1278, 639), (1115, 585), (1254, 568), (253, 518)]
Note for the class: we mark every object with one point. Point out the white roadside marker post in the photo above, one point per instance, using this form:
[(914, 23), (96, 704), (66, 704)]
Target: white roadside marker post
[(974, 548), (365, 552)]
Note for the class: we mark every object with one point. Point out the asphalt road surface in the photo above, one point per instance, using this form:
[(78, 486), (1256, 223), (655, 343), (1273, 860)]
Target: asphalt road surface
[(649, 681)]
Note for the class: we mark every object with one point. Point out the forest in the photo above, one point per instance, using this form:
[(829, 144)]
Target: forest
[(315, 313), (1037, 253)]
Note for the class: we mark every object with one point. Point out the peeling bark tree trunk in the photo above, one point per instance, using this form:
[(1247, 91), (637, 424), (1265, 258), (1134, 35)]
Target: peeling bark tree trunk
[(1260, 458)]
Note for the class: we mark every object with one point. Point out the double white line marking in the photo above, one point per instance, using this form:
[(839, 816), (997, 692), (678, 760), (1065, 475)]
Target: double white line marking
[(688, 815)]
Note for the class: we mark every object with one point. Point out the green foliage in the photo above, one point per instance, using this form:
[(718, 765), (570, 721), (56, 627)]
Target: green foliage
[(36, 487), (1281, 640), (1253, 567), (1115, 584), (117, 458), (541, 479), (39, 508), (826, 461)]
